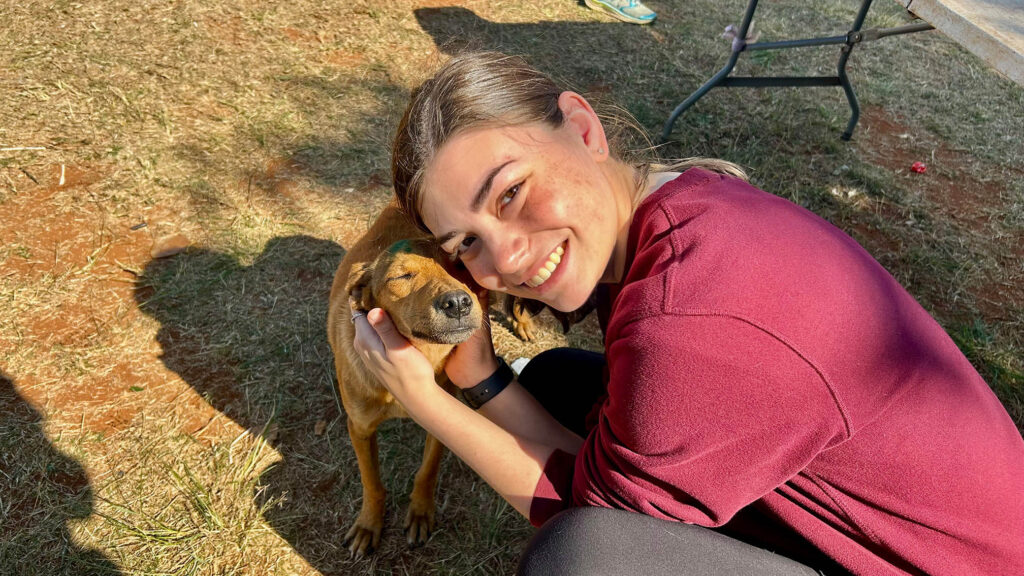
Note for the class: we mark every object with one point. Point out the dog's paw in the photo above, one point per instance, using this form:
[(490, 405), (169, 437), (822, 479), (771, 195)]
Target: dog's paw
[(524, 328), (363, 537), (419, 523)]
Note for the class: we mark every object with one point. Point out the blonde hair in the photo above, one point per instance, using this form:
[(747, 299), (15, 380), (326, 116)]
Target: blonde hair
[(480, 89)]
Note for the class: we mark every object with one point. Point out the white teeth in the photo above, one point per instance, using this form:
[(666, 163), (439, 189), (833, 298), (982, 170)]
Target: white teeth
[(554, 259)]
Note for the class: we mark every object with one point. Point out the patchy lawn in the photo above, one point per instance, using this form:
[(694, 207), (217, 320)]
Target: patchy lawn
[(178, 416)]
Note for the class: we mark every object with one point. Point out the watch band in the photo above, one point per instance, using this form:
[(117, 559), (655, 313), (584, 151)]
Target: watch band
[(478, 395)]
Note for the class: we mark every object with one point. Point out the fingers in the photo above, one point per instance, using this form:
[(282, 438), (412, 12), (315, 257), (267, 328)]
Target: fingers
[(388, 355), (376, 333), (366, 341), (385, 329)]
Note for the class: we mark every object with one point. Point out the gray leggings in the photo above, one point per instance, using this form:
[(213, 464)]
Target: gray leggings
[(606, 542)]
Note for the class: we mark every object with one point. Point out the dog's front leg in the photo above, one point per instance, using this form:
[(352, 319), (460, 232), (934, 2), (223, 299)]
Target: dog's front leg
[(365, 533), (419, 521)]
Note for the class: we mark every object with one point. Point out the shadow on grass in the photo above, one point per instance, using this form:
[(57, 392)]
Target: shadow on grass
[(42, 490), (250, 340), (590, 57)]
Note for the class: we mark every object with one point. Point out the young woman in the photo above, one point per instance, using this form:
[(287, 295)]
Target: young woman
[(762, 374)]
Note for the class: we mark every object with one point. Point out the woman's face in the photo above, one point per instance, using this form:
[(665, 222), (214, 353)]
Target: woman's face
[(529, 209)]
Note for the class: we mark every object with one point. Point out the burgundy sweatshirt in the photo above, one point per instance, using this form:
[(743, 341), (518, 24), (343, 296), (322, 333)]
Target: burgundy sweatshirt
[(759, 357)]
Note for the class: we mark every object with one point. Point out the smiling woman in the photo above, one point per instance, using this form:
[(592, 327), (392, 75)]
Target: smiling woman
[(544, 194), (763, 376)]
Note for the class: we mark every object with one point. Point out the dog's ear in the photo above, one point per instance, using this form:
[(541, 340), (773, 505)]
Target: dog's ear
[(360, 293)]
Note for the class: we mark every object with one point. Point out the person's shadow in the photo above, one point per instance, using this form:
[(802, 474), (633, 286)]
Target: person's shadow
[(582, 53), (250, 339), (41, 490), (584, 56)]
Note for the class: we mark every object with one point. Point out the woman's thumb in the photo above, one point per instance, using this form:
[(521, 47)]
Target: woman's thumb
[(385, 329)]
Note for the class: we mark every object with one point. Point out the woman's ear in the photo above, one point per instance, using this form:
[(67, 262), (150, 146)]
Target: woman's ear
[(584, 123)]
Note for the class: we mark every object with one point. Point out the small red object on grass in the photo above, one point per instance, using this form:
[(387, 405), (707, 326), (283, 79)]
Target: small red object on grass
[(918, 167)]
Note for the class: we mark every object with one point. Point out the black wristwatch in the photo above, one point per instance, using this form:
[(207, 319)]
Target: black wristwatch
[(478, 395)]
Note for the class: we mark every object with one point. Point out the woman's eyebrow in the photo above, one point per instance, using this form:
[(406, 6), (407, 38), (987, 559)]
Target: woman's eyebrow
[(478, 200), (441, 241), (481, 194)]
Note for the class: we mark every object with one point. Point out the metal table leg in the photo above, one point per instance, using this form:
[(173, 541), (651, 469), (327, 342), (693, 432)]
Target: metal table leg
[(717, 78), (849, 40), (844, 55)]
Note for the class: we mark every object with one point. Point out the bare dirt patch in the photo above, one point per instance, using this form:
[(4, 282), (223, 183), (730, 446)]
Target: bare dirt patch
[(79, 261), (956, 187), (950, 180)]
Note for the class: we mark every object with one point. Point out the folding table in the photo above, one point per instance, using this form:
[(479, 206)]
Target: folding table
[(739, 45)]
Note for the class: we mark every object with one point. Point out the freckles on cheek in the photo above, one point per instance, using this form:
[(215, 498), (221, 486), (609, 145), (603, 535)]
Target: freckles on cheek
[(576, 203), (548, 205)]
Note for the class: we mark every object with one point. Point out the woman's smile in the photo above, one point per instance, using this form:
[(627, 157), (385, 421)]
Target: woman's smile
[(548, 269)]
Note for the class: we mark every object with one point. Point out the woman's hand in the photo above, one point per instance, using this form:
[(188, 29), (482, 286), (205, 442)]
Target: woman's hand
[(473, 360), (389, 356)]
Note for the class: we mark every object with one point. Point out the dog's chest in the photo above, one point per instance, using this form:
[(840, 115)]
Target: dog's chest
[(392, 408)]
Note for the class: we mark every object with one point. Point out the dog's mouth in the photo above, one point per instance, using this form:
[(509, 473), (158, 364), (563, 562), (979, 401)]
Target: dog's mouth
[(446, 335)]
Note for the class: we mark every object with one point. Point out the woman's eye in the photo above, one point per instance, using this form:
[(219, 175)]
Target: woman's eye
[(510, 194), (463, 246)]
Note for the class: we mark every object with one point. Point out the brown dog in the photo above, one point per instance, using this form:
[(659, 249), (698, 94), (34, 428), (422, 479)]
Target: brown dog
[(394, 267)]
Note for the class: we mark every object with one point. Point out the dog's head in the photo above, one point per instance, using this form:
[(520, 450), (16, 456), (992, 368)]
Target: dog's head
[(410, 282)]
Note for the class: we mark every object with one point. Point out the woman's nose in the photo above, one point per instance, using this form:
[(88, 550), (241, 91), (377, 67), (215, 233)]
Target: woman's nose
[(510, 255)]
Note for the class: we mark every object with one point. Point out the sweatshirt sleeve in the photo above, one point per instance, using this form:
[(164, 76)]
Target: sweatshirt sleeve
[(554, 490), (706, 414)]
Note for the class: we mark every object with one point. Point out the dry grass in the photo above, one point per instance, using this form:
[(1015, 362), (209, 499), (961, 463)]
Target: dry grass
[(178, 416)]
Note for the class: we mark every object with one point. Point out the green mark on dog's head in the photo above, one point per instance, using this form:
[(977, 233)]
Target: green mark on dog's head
[(400, 247)]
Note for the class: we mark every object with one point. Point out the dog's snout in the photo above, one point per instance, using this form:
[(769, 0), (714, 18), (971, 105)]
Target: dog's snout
[(454, 304)]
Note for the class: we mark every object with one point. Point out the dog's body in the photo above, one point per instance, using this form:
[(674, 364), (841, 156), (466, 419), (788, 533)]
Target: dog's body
[(394, 267), (522, 311)]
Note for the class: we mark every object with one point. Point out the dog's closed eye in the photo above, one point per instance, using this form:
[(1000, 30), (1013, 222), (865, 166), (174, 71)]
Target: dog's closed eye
[(403, 277)]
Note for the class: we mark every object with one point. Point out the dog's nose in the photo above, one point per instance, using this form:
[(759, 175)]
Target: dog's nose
[(454, 304)]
